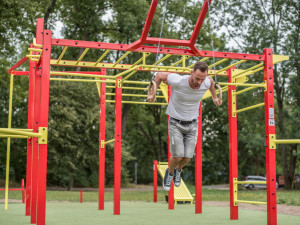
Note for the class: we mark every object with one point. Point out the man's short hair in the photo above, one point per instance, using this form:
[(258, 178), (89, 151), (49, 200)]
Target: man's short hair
[(202, 66)]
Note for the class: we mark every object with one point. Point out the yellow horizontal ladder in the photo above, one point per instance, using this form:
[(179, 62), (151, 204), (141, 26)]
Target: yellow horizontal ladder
[(181, 193)]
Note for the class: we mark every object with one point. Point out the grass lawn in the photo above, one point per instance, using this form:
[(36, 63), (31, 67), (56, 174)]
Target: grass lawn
[(138, 213), (283, 197)]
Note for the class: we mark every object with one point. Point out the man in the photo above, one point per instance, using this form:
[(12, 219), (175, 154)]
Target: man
[(183, 109)]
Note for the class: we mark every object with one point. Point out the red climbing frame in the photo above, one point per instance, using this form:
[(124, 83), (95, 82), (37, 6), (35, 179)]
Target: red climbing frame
[(38, 104)]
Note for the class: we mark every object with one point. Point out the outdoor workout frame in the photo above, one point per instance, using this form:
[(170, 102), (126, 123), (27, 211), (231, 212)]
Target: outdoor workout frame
[(38, 107)]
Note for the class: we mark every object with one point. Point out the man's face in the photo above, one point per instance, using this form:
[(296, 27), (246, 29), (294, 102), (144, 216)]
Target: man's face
[(198, 77)]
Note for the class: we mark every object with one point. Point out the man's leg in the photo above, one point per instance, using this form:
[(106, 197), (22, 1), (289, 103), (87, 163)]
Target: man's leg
[(174, 162), (183, 163)]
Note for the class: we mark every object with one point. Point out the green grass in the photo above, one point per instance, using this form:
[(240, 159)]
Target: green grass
[(139, 213), (283, 196)]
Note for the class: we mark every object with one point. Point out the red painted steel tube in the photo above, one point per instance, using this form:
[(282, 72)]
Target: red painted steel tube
[(80, 196), (198, 165), (199, 22), (233, 157), (165, 41), (117, 156), (18, 64), (153, 49), (155, 181), (102, 138), (32, 66), (270, 129), (147, 26), (23, 192), (36, 124), (44, 112), (171, 192)]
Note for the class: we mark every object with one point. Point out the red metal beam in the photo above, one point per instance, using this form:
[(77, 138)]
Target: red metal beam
[(155, 181), (270, 130), (18, 64), (153, 49), (233, 147), (146, 29), (102, 139), (200, 21), (165, 41)]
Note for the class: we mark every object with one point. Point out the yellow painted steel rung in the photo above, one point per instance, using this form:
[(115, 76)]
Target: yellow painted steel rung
[(251, 202), (122, 57), (134, 95), (251, 182), (83, 80), (163, 59), (232, 65), (13, 136), (244, 90), (250, 107), (132, 88), (62, 54), (183, 60), (243, 84), (107, 142), (79, 74), (18, 132), (82, 55), (127, 71), (141, 103), (180, 61), (35, 44), (35, 49), (217, 63), (102, 57), (249, 69), (136, 82), (145, 55), (287, 141), (201, 60)]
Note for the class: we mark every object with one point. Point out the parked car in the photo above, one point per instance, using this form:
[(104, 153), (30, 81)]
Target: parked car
[(256, 178)]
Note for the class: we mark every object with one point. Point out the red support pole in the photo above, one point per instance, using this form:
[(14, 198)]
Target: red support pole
[(32, 66), (198, 165), (44, 112), (171, 192), (80, 196), (36, 124), (117, 157), (155, 181), (233, 157), (102, 140), (23, 192), (270, 131)]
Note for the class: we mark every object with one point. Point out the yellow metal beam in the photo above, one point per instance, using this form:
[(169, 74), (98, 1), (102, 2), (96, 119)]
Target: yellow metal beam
[(243, 84), (133, 95), (79, 74), (232, 65), (251, 202), (250, 107), (18, 132), (287, 141), (122, 57), (132, 88), (141, 103), (217, 63), (35, 44), (247, 70), (62, 54), (13, 136), (82, 55), (142, 59), (101, 57), (107, 142)]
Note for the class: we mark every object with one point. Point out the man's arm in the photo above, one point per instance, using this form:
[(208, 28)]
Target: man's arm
[(212, 90), (161, 77)]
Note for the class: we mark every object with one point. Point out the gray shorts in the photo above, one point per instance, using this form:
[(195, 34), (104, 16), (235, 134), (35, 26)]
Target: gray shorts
[(183, 138)]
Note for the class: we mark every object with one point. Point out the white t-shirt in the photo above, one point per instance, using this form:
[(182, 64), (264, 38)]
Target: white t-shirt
[(184, 101)]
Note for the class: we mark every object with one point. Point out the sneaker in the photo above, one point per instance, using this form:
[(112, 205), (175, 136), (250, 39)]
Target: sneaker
[(177, 177), (167, 180)]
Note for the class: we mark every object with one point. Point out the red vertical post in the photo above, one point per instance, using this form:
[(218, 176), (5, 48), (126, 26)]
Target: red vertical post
[(102, 140), (233, 157), (44, 112), (117, 157), (32, 67), (198, 165), (171, 192), (155, 181), (270, 131), (36, 124), (23, 192), (80, 196)]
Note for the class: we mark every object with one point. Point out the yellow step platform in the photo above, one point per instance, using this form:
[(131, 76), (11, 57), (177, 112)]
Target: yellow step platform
[(181, 193)]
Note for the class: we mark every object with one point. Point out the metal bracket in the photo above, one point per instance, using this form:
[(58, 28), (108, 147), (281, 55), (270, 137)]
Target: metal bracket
[(233, 103), (272, 144), (102, 143), (119, 83), (235, 192), (44, 138)]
